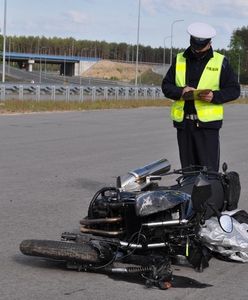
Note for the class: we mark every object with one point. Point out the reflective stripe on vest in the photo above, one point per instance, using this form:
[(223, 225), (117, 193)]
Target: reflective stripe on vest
[(210, 79)]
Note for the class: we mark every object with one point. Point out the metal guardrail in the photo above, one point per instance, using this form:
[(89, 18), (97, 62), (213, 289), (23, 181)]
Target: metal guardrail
[(76, 92), (244, 92), (82, 93)]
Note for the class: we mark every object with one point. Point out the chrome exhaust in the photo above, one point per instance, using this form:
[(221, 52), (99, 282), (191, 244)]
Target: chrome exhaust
[(89, 222), (139, 246), (166, 223), (83, 229), (136, 179)]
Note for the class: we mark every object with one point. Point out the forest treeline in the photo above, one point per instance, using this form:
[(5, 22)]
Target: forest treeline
[(237, 52), (73, 47)]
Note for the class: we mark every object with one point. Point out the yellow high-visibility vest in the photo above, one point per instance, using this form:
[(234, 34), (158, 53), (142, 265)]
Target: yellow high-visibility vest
[(210, 79)]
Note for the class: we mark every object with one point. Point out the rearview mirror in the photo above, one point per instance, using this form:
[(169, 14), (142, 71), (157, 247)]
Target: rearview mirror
[(226, 223)]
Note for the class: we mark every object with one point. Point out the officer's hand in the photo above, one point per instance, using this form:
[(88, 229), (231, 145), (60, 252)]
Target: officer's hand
[(187, 93), (187, 89), (206, 95)]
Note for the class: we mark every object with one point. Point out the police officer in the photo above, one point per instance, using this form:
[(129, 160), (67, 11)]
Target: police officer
[(200, 80)]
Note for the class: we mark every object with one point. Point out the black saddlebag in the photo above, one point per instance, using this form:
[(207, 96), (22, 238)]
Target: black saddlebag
[(232, 190)]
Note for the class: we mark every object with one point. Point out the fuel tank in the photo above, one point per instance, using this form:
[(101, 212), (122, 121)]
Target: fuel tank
[(151, 202)]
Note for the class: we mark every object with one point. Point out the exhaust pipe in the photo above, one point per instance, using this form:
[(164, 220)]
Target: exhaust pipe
[(89, 222), (83, 229)]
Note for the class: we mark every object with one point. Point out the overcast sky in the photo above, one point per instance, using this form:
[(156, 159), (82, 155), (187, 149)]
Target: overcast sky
[(116, 20)]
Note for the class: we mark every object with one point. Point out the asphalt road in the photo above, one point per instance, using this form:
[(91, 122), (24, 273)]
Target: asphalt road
[(50, 166), (52, 78)]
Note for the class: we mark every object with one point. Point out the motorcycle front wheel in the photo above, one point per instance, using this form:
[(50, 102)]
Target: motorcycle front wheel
[(60, 250)]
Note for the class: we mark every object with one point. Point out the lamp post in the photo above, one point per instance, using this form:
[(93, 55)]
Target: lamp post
[(165, 38), (137, 48), (40, 53), (9, 56), (45, 67), (64, 65), (171, 36), (47, 51), (40, 65), (239, 68), (4, 39)]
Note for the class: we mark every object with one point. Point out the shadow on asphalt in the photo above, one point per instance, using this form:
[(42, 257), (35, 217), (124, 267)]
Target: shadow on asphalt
[(177, 282)]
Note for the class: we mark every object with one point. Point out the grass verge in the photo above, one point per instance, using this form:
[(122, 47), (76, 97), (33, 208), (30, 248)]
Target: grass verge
[(27, 106)]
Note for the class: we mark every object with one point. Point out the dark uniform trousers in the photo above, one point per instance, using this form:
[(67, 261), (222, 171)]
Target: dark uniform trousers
[(198, 146)]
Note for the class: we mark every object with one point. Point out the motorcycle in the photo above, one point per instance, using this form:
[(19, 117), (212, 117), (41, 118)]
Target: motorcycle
[(140, 227)]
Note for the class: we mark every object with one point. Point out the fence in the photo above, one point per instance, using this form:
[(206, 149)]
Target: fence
[(82, 93), (76, 93), (244, 91)]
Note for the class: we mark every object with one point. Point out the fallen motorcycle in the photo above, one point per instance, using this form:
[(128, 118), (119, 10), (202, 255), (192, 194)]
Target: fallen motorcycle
[(139, 227)]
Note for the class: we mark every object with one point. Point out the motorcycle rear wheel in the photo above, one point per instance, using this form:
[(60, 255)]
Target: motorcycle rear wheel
[(59, 250)]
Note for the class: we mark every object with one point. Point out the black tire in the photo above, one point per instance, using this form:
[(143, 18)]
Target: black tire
[(59, 250)]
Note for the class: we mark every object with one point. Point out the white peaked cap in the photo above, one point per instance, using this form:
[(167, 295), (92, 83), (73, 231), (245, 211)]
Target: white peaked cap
[(201, 30)]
